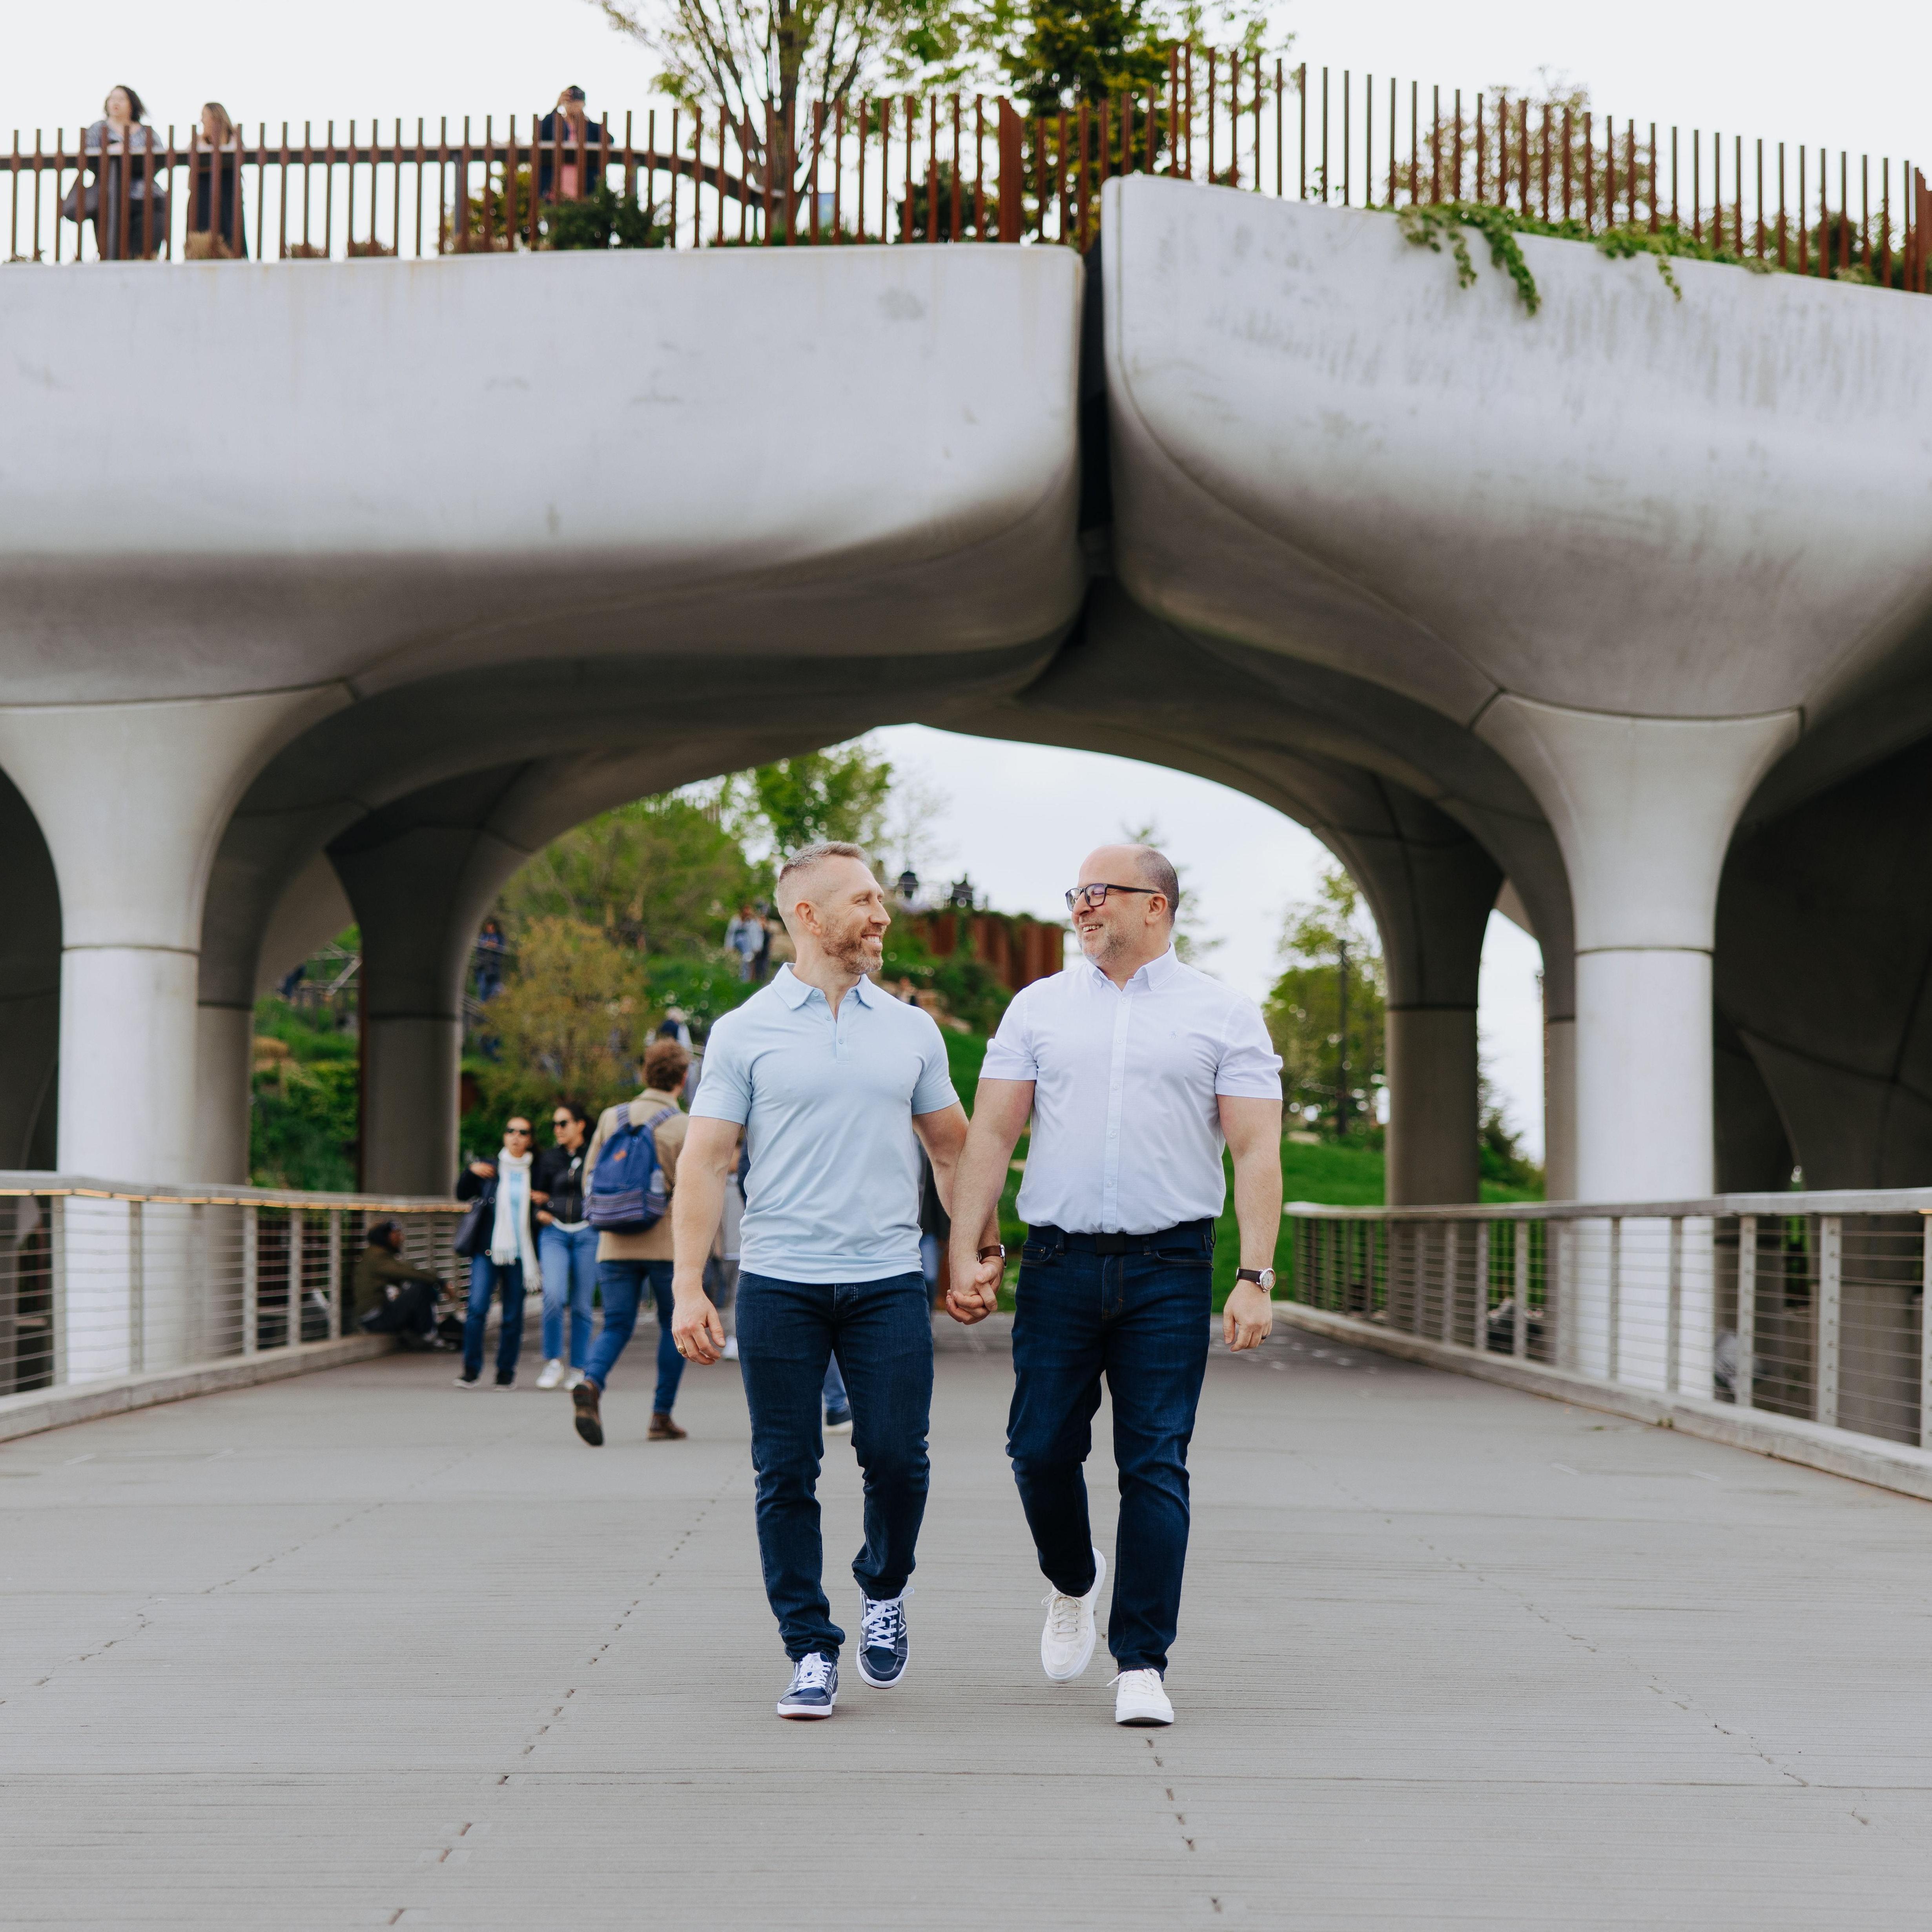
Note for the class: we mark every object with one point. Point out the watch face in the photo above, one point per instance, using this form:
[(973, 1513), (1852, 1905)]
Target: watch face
[(1268, 1280)]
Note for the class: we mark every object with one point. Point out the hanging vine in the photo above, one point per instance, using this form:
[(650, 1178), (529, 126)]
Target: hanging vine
[(1428, 224)]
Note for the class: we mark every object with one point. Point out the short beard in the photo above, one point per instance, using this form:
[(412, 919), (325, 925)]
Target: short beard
[(1111, 945), (851, 955)]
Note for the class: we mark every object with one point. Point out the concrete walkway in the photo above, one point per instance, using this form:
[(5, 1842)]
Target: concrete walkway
[(359, 1650)]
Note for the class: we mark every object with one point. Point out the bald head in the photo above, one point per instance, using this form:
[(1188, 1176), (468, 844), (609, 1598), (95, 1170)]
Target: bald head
[(1134, 866)]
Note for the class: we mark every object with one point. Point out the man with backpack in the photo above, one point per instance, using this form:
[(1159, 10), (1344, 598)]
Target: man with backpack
[(836, 1085), (632, 1166)]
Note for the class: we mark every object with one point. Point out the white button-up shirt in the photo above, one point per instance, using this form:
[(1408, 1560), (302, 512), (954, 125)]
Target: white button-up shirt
[(1127, 1134)]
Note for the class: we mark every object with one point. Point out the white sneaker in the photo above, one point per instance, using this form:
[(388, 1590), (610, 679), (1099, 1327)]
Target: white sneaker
[(553, 1374), (1140, 1699), (571, 1381), (731, 1348), (1066, 1643)]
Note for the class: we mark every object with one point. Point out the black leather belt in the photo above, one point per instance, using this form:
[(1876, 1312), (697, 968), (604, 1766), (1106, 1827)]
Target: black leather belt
[(1122, 1244)]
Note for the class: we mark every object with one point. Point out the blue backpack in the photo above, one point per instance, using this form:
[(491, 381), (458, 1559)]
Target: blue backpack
[(628, 1195)]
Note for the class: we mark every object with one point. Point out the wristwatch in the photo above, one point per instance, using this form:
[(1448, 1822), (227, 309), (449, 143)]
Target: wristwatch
[(987, 1254), (1263, 1278)]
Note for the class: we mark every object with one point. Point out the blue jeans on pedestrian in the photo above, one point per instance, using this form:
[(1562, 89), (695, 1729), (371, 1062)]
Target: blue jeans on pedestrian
[(623, 1284), (1141, 1319), (567, 1257), (486, 1278), (786, 1333)]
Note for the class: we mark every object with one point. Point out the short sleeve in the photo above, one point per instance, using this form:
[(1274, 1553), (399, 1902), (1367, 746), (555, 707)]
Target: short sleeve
[(1250, 1069), (934, 1089), (725, 1085), (1009, 1054)]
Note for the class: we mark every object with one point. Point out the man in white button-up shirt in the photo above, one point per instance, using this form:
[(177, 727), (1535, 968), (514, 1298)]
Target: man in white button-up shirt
[(1136, 1070)]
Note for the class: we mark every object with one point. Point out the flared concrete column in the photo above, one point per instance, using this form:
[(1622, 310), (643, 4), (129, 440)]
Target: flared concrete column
[(419, 896), (1559, 1101), (1643, 809), (132, 799), (1433, 1104)]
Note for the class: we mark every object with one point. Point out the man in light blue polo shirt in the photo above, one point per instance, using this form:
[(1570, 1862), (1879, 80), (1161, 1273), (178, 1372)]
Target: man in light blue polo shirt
[(836, 1085)]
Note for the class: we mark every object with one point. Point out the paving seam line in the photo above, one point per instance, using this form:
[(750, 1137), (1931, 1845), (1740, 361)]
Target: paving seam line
[(1836, 1452)]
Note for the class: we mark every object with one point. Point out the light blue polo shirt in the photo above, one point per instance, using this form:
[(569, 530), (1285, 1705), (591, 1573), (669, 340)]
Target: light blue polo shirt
[(826, 1106)]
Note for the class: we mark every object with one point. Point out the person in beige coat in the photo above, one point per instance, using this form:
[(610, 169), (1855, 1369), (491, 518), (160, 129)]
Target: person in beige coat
[(628, 1264)]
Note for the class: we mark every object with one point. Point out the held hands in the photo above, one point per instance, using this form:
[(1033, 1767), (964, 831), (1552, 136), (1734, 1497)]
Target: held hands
[(1248, 1317), (974, 1291), (694, 1324)]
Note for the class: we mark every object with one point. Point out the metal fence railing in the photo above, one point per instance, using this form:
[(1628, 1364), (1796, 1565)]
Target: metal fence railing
[(955, 167), (98, 1280), (1805, 1305)]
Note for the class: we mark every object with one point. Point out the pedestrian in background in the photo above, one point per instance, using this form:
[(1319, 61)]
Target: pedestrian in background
[(629, 1266), (745, 938), (508, 1266), (217, 227), (116, 148), (570, 151), (566, 1243)]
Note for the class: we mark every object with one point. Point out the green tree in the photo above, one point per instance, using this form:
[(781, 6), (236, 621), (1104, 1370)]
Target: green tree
[(660, 876), (1331, 1071), (839, 794), (570, 1019)]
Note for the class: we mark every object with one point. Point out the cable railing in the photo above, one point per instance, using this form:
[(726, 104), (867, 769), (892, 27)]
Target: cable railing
[(934, 168), (98, 1280), (1809, 1305)]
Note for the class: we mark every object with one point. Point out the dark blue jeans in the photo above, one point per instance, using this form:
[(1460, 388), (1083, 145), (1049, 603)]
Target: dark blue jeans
[(1141, 1320), (621, 1284), (882, 1333), (486, 1278)]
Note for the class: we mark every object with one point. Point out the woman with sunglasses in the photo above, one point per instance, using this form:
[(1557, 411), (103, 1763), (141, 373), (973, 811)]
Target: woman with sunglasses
[(508, 1266), (566, 1244)]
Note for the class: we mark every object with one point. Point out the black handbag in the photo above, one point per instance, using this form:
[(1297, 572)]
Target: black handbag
[(474, 1230)]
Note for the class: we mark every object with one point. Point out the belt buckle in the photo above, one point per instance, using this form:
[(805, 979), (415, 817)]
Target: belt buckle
[(1110, 1244)]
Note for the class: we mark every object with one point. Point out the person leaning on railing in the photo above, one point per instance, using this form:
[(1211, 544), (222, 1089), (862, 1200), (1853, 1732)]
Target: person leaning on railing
[(394, 1296), (217, 227), (570, 161), (116, 146)]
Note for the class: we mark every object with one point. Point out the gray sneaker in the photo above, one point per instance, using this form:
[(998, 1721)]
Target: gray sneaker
[(813, 1689)]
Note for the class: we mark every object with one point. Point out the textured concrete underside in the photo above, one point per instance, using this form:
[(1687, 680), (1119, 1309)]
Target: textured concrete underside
[(358, 1650)]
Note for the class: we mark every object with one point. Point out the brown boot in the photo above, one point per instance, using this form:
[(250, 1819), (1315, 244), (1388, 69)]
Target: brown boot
[(663, 1429)]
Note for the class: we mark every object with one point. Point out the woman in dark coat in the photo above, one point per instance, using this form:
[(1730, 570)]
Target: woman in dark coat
[(217, 211)]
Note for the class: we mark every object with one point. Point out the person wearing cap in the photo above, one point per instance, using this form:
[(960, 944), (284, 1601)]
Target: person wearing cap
[(1137, 1070), (393, 1296), (570, 151)]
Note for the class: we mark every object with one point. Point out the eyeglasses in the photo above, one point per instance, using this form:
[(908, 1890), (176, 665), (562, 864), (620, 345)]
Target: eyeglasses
[(562, 1121), (522, 1133), (1096, 895)]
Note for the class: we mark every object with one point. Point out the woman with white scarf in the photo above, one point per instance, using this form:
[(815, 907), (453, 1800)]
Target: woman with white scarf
[(509, 1267)]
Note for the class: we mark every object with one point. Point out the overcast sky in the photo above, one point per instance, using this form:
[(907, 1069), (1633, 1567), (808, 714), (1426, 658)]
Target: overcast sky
[(1855, 75)]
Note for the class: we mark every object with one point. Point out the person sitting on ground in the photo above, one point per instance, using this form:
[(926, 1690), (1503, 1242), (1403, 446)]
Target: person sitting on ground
[(394, 1296), (628, 1265)]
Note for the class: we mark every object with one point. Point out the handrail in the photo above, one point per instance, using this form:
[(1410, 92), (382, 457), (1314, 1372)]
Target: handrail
[(1846, 1201), (898, 169)]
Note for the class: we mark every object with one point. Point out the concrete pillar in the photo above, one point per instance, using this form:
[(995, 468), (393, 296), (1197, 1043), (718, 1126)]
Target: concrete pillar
[(1432, 1111), (1430, 885), (1643, 809), (419, 895), (132, 799)]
